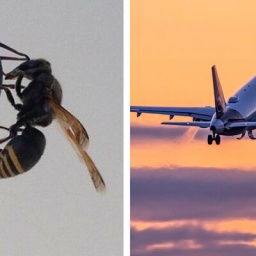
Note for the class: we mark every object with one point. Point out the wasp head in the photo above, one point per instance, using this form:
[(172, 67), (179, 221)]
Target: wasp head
[(30, 69)]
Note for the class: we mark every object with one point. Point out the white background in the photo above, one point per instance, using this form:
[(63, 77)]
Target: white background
[(54, 209)]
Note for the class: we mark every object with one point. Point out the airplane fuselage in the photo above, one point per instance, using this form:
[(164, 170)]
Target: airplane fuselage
[(240, 108)]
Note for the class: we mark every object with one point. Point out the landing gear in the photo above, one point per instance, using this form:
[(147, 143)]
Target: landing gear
[(217, 139), (251, 135), (211, 138), (242, 135)]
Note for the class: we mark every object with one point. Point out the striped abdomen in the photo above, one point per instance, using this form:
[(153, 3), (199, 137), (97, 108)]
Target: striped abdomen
[(22, 152)]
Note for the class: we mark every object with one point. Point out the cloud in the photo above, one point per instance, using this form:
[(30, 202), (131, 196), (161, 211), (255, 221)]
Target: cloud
[(175, 193), (155, 132), (176, 134), (190, 240)]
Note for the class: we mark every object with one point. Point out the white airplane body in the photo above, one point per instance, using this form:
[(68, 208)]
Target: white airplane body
[(235, 117)]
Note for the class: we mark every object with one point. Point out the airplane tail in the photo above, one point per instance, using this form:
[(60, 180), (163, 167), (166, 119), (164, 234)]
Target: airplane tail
[(220, 103)]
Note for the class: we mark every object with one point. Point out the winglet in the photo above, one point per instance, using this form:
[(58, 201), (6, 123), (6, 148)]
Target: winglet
[(220, 103)]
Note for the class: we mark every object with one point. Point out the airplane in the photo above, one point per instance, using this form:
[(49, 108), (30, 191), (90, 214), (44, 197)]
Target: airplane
[(235, 117)]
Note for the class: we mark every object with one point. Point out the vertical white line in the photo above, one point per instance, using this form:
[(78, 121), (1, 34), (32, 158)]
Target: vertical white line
[(126, 123)]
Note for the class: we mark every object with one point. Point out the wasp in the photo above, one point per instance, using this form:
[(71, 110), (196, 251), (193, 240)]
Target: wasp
[(40, 105)]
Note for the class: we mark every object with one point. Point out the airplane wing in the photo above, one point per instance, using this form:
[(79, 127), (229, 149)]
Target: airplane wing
[(205, 124), (199, 113), (196, 124), (241, 124)]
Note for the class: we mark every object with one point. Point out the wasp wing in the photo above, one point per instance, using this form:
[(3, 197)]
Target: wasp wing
[(78, 137)]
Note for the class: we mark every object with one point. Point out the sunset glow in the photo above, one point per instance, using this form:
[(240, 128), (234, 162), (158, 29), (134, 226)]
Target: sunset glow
[(189, 198)]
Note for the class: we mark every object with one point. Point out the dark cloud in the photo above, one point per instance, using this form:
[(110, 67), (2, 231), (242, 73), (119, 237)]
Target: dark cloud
[(192, 193), (209, 243)]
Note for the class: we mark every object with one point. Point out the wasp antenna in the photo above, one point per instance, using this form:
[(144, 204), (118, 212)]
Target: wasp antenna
[(14, 51)]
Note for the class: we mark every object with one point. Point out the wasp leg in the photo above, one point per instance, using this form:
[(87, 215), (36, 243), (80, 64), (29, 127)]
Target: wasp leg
[(9, 86), (18, 86), (10, 98), (5, 139), (12, 86), (13, 50)]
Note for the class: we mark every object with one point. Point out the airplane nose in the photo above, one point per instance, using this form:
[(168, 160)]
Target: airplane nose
[(217, 126)]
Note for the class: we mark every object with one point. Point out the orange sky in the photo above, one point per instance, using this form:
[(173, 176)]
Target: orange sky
[(173, 46), (175, 43)]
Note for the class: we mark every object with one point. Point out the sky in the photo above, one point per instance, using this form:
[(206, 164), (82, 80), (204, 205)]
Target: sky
[(54, 209), (189, 198)]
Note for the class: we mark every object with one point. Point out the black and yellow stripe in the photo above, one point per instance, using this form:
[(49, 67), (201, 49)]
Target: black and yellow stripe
[(9, 163), (21, 153)]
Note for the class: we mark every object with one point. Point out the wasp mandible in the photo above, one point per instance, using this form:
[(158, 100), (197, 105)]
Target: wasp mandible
[(40, 104)]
